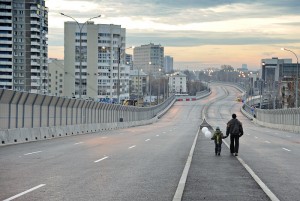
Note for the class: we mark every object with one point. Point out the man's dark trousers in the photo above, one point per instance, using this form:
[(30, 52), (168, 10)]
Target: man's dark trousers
[(234, 144)]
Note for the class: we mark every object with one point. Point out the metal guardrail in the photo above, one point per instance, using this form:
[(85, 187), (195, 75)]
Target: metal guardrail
[(282, 119)]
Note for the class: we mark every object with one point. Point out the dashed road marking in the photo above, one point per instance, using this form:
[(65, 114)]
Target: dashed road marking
[(25, 192), (267, 142), (101, 159), (147, 140), (32, 153), (78, 143), (256, 137), (157, 135), (132, 147), (286, 149), (103, 137)]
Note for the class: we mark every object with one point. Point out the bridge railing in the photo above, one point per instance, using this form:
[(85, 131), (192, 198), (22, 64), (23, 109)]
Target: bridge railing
[(282, 119)]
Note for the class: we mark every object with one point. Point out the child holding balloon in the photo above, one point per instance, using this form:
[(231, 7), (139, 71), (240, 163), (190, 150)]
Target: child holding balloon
[(218, 136)]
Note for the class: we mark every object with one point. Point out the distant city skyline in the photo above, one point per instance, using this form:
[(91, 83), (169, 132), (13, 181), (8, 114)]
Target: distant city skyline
[(195, 33)]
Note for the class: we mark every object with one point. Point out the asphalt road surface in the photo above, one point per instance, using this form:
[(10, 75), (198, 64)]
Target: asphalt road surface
[(147, 162)]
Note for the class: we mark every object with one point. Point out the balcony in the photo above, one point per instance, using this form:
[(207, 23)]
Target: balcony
[(34, 50), (5, 13), (5, 6), (35, 43), (5, 20), (34, 15), (35, 29)]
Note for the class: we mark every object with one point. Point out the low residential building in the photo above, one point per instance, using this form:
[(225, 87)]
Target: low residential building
[(56, 77), (177, 83)]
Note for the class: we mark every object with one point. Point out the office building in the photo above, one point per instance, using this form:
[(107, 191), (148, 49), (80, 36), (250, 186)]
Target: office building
[(23, 45), (101, 69), (149, 58), (168, 64), (270, 68)]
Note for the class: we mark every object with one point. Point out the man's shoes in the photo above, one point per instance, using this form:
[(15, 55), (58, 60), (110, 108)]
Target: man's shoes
[(219, 154), (236, 154)]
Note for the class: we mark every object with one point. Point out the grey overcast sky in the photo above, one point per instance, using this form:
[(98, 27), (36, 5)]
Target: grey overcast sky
[(197, 33)]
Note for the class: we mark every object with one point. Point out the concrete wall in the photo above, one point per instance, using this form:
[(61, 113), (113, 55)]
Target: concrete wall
[(29, 117)]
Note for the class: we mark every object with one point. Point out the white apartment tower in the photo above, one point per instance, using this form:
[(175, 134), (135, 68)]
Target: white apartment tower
[(168, 64), (23, 45), (149, 57), (103, 72)]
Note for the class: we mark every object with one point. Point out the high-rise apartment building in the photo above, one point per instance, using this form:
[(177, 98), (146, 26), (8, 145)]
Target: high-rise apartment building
[(149, 57), (101, 68), (168, 64), (23, 45)]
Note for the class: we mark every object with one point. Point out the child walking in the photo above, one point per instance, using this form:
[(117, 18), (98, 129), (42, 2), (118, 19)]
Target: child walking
[(218, 136)]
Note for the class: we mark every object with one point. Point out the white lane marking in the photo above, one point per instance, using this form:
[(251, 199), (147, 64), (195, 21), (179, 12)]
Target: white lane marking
[(182, 181), (276, 133), (267, 142), (264, 187), (103, 137), (248, 134), (32, 153), (78, 143), (23, 193), (147, 140), (157, 135), (131, 147), (164, 132), (286, 149), (256, 137), (101, 159)]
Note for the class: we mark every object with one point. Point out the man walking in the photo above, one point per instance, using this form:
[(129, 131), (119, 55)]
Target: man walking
[(235, 129)]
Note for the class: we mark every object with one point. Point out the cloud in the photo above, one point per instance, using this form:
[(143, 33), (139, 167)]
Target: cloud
[(178, 38), (190, 23)]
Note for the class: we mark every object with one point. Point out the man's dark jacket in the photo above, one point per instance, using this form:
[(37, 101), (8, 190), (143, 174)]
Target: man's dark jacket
[(234, 127)]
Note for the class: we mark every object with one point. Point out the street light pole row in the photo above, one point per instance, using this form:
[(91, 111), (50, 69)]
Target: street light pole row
[(80, 46)]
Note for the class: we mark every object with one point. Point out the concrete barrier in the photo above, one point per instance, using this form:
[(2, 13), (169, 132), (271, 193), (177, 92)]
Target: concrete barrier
[(60, 128)]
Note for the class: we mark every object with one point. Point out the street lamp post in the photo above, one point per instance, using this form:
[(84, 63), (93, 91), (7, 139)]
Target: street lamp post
[(80, 46), (297, 74), (138, 93), (150, 81), (119, 61)]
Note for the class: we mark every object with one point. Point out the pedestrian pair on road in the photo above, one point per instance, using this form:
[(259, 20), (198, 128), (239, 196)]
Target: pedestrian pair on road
[(235, 129)]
